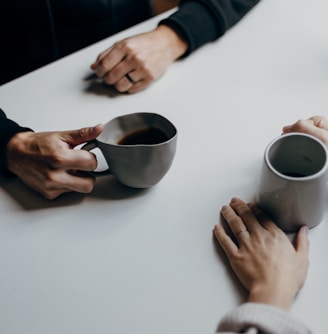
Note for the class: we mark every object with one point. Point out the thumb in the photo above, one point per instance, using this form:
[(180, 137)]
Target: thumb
[(76, 137)]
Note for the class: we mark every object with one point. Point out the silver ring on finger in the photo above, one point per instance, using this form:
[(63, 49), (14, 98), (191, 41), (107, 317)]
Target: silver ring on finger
[(241, 231)]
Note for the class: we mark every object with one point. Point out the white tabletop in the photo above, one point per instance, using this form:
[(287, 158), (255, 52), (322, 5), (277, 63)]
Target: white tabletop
[(127, 261)]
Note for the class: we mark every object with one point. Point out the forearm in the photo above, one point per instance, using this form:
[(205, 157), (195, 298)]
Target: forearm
[(201, 21)]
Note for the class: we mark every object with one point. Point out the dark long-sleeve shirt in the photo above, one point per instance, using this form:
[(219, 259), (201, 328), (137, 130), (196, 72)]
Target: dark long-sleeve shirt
[(197, 21), (34, 33), (8, 129), (203, 21)]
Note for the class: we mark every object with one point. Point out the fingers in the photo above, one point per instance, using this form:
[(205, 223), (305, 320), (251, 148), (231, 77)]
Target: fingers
[(75, 159), (114, 63), (140, 57), (234, 221), (76, 137), (124, 81), (128, 75), (72, 182), (244, 220), (302, 242), (65, 183), (106, 61), (320, 122), (51, 182), (316, 126), (236, 224), (243, 213), (302, 125), (263, 217), (228, 246)]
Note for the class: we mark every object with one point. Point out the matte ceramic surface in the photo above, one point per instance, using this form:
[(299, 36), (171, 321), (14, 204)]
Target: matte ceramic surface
[(137, 166), (293, 185)]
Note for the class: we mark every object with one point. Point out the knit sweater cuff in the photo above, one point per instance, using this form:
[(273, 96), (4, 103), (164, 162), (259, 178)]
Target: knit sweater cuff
[(261, 318)]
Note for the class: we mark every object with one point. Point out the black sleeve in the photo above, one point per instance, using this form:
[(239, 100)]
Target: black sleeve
[(8, 129), (201, 21)]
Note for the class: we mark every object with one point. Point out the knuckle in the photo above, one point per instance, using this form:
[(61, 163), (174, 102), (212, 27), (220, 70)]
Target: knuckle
[(88, 187), (127, 46), (83, 132), (103, 64), (50, 179), (56, 160), (300, 124), (51, 195), (149, 73), (120, 87), (109, 79), (237, 258), (151, 77), (137, 59), (92, 162)]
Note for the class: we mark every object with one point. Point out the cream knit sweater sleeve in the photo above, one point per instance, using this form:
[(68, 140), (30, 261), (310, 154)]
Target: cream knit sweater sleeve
[(255, 318)]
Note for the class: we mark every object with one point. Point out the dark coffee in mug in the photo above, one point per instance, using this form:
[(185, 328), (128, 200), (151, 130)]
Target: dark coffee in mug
[(294, 174), (146, 136), (138, 148)]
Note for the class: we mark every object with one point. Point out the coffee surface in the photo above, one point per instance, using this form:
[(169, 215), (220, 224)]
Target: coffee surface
[(147, 136), (294, 174)]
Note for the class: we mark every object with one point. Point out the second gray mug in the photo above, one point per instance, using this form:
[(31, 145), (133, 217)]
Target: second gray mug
[(293, 185)]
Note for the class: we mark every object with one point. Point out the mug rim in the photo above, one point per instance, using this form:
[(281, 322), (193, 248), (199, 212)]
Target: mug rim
[(322, 171), (173, 137)]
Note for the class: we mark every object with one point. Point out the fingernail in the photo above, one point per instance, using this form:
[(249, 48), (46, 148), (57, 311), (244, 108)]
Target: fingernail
[(224, 208), (96, 126), (287, 128)]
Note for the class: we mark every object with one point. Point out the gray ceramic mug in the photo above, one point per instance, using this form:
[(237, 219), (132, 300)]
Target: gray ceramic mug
[(139, 148), (293, 184)]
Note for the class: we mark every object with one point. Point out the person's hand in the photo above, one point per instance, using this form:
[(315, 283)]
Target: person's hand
[(134, 63), (268, 265), (316, 126), (47, 162)]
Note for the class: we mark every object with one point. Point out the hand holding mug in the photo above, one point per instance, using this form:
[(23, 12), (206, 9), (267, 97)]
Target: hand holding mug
[(48, 163), (316, 126)]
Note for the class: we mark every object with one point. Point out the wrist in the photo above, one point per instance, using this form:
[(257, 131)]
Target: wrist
[(14, 146), (175, 44), (278, 295)]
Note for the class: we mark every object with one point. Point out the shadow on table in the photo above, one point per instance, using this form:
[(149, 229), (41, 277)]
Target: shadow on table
[(97, 87), (106, 187), (31, 200)]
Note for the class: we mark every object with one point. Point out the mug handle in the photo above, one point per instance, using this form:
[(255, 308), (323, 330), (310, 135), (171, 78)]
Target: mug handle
[(90, 146)]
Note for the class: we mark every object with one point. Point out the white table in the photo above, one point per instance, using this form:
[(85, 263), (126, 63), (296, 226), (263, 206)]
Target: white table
[(127, 261)]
